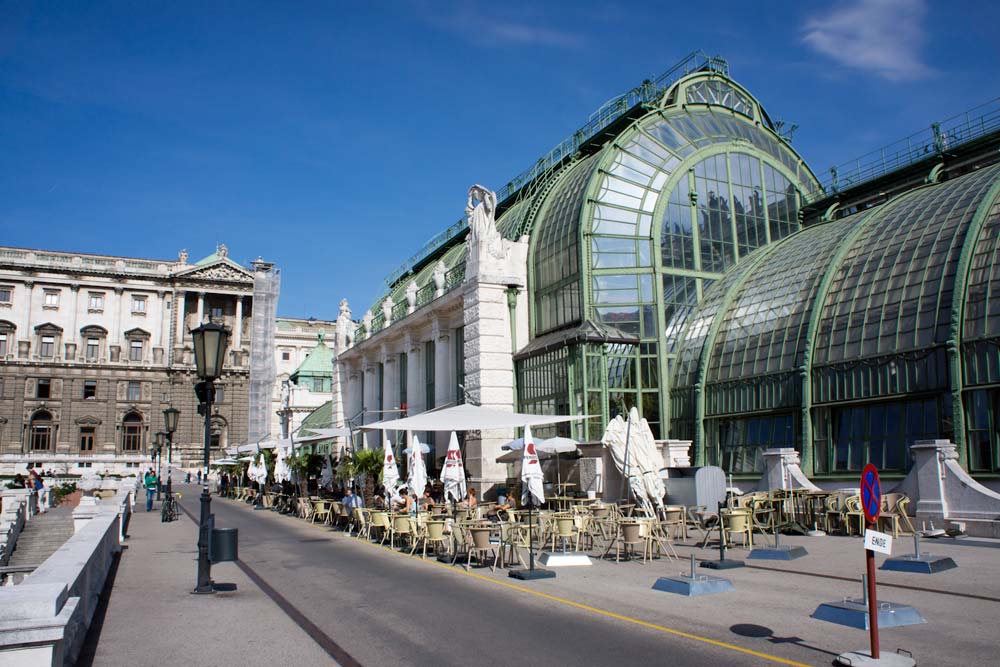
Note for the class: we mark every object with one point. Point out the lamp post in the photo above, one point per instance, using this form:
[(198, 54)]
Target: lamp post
[(159, 457), (210, 343), (169, 426)]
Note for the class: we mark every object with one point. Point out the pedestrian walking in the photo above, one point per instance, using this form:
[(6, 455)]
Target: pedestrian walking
[(151, 482), (199, 476), (39, 487)]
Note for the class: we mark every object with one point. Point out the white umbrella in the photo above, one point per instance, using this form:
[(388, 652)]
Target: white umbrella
[(326, 477), (531, 472), (282, 471), (258, 470), (417, 478), (453, 475), (390, 471)]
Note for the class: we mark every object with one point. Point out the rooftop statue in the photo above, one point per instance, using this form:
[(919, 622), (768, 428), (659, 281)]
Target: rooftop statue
[(483, 235)]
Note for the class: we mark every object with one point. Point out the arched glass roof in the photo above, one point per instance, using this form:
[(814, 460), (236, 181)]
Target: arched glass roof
[(556, 250), (893, 289), (889, 277), (764, 329)]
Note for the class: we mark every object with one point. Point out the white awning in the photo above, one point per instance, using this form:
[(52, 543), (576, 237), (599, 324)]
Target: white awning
[(324, 434), (264, 444), (466, 418)]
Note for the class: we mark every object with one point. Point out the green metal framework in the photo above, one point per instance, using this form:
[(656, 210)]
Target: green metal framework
[(861, 335)]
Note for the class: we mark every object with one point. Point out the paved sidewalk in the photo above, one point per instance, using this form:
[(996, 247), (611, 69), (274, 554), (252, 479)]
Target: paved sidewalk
[(151, 617)]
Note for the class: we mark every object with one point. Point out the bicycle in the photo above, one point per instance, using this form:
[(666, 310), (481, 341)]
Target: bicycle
[(168, 509)]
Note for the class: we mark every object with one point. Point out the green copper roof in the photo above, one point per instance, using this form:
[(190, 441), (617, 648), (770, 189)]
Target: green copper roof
[(321, 417), (319, 362)]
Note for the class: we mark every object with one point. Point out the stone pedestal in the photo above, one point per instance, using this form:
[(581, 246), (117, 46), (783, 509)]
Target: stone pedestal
[(782, 471), (676, 453), (489, 366), (941, 490)]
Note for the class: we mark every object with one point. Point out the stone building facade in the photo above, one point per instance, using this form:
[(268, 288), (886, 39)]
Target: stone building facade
[(303, 354), (94, 348)]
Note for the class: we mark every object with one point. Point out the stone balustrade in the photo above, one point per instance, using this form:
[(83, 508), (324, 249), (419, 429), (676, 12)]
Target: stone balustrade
[(44, 620)]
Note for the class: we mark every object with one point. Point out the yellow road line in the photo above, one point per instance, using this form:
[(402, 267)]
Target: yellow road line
[(586, 607)]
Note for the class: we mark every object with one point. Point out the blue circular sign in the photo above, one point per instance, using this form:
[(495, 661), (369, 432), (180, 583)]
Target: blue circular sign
[(871, 493)]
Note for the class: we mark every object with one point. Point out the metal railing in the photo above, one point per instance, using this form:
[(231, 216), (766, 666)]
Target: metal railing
[(378, 323), (938, 138), (426, 294), (400, 310), (454, 277), (646, 93)]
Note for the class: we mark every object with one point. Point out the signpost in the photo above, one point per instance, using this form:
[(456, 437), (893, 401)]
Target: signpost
[(871, 504)]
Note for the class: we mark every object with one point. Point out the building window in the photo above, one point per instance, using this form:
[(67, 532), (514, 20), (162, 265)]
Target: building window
[(215, 312), (90, 388), (135, 350), (285, 356), (3, 344), (44, 388), (6, 294), (132, 431), (51, 298), (134, 390), (48, 346), (220, 393), (40, 435), (87, 439), (402, 382), (138, 305), (429, 362), (93, 351), (96, 301)]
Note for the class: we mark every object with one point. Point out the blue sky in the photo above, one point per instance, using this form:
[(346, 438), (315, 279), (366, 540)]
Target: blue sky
[(334, 139)]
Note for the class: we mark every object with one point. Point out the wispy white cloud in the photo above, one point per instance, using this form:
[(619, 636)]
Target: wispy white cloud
[(482, 25), (883, 37)]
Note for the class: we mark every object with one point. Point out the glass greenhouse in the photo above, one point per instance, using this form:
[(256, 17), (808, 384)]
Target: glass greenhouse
[(686, 260)]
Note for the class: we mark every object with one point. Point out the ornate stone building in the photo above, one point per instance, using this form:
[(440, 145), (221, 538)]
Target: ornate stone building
[(303, 353), (94, 348)]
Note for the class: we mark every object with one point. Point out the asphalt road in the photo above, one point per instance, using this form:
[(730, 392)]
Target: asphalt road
[(383, 608)]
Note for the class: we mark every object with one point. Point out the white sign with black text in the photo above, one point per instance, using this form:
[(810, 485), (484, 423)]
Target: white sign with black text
[(880, 542)]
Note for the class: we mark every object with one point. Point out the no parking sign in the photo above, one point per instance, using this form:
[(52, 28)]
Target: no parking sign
[(871, 493)]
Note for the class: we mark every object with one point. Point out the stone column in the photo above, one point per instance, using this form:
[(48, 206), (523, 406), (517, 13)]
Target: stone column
[(415, 402), (238, 329), (73, 333), (390, 390), (201, 309), (180, 306), (444, 376), (119, 334), (489, 365)]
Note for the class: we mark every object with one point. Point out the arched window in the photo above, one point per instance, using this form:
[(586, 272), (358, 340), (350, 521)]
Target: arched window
[(132, 432), (40, 435)]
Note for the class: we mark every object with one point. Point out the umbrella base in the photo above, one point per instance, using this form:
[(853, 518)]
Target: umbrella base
[(530, 575), (563, 559)]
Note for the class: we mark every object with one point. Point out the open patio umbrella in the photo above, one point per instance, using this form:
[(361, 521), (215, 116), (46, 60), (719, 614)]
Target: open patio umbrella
[(453, 475), (416, 479)]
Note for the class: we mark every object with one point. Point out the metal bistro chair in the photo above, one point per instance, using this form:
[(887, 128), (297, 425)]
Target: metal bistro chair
[(321, 510), (436, 536), (737, 522), (380, 522), (402, 527), (363, 523), (629, 536), (481, 546)]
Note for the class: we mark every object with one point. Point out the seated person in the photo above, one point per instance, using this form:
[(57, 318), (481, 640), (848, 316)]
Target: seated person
[(379, 502)]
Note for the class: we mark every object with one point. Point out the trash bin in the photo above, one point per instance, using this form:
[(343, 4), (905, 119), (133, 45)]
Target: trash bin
[(224, 545)]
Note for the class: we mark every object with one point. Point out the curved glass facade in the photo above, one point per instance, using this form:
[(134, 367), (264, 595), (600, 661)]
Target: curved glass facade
[(837, 340)]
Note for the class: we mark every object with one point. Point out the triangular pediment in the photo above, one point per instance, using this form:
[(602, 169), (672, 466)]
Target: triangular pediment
[(222, 270)]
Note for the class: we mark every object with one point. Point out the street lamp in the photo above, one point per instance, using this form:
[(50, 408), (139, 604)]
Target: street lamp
[(169, 426), (160, 435), (210, 343)]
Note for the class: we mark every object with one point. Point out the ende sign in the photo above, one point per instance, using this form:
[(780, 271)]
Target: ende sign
[(876, 541)]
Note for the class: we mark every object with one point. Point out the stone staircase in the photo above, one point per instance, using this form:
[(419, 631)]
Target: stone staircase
[(41, 536)]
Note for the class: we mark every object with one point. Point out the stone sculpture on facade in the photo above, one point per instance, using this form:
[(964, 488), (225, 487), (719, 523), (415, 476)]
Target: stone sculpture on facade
[(438, 277), (387, 310), (182, 256), (345, 327), (411, 296), (484, 239)]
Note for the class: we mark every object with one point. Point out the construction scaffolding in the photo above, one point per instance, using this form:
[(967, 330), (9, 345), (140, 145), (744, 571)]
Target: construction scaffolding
[(263, 370)]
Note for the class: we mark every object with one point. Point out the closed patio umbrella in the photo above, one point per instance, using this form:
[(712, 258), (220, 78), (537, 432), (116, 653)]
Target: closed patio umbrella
[(416, 480), (453, 475), (390, 471)]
